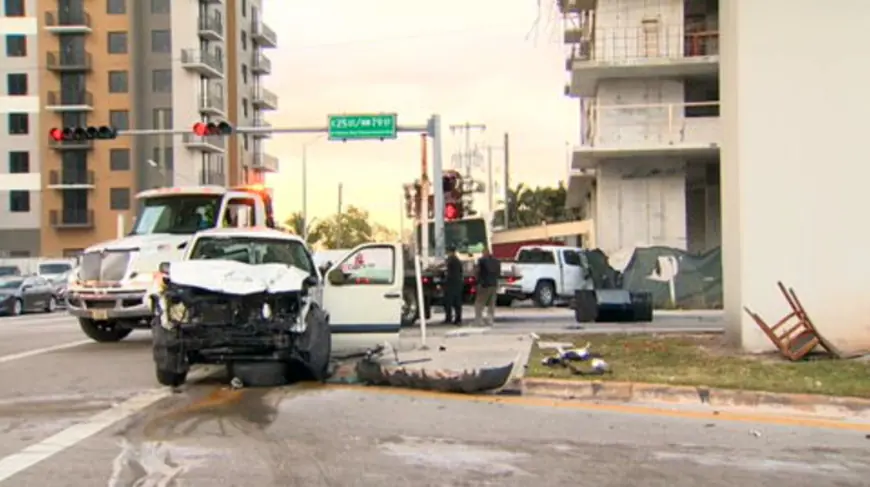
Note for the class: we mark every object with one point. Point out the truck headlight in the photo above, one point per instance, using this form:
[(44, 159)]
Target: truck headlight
[(267, 311), (177, 313)]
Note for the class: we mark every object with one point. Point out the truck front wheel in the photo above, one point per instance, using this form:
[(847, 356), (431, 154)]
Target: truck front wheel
[(104, 331)]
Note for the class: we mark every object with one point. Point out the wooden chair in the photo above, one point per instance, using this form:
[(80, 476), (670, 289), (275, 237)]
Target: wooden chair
[(794, 335)]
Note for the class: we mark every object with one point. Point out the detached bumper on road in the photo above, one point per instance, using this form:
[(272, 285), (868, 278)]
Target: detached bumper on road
[(106, 306)]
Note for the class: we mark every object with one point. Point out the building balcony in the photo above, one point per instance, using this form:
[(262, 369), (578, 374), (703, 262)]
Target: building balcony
[(71, 62), (260, 123), (71, 219), (202, 62), (648, 131), (71, 144), (68, 22), (263, 35), (212, 105), (215, 178), (70, 179), (211, 28), (262, 64), (648, 51), (264, 99), (576, 6), (210, 144), (265, 162), (64, 101), (581, 183)]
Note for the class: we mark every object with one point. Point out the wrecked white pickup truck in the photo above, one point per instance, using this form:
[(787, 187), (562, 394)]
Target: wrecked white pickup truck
[(242, 296)]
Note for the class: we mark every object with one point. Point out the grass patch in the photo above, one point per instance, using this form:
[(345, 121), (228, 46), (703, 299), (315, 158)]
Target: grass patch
[(702, 360)]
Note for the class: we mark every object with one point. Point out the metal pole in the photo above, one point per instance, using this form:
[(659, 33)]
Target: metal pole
[(437, 175), (507, 180), (340, 237), (424, 202), (161, 149), (489, 191), (305, 192)]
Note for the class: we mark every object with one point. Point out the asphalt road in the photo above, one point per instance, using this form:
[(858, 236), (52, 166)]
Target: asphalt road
[(82, 414)]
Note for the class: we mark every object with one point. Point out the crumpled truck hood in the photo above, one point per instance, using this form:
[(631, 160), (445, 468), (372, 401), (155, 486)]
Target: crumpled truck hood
[(236, 278)]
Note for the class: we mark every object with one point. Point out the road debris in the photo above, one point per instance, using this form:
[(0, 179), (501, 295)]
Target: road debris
[(569, 358)]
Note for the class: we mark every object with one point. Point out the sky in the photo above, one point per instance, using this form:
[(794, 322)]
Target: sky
[(493, 62)]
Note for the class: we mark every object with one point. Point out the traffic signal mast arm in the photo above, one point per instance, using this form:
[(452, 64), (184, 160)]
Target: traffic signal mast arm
[(258, 130)]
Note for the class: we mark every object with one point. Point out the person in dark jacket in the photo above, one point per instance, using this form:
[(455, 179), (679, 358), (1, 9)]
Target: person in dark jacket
[(453, 284), (488, 273)]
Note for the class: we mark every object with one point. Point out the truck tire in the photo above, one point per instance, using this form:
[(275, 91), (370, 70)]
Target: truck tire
[(410, 311), (104, 331), (171, 378), (314, 346), (545, 294)]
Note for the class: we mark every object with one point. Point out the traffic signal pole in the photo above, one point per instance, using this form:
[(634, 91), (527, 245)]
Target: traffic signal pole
[(432, 128)]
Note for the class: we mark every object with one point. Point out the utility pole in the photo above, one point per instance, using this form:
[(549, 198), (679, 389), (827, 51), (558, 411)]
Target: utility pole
[(468, 156), (507, 180), (340, 228), (489, 191)]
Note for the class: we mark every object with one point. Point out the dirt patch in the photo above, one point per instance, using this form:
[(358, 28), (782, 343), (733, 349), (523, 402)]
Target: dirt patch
[(704, 360)]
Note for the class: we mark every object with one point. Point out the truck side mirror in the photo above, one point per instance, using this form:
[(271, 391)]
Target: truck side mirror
[(336, 277), (163, 268)]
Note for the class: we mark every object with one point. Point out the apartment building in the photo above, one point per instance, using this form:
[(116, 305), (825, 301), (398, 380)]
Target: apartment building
[(647, 76), (20, 184), (135, 64)]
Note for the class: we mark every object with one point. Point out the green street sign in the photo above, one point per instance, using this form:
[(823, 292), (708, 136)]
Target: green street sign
[(362, 127)]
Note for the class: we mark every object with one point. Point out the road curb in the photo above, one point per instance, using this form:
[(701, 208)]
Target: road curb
[(659, 393)]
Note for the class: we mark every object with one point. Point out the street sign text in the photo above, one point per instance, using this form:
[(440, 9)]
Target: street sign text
[(363, 127)]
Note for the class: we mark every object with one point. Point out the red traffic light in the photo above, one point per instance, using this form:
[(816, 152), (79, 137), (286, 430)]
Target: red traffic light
[(82, 133), (203, 129), (451, 212)]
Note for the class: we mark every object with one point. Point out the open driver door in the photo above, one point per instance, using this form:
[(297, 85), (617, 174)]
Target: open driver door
[(363, 296)]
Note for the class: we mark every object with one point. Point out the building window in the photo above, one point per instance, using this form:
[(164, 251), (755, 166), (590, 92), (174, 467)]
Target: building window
[(69, 253), (16, 45), (161, 41), (119, 199), (244, 41), (19, 162), (246, 141), (702, 97), (245, 73), (244, 8), (245, 107), (116, 7), (161, 81), (14, 8), (119, 159), (118, 82), (16, 84), (19, 201), (117, 43), (159, 6), (119, 119), (19, 254), (162, 118), (19, 124)]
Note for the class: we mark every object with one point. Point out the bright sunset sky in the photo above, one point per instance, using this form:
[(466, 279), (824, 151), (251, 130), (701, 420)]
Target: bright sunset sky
[(468, 60)]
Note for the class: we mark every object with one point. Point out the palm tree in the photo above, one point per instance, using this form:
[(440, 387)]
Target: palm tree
[(533, 206)]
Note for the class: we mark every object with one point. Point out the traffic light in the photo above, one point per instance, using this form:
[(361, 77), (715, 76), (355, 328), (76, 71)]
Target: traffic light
[(452, 211), (203, 129), (83, 133)]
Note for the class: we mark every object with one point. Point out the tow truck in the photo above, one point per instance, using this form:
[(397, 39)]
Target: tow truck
[(108, 289)]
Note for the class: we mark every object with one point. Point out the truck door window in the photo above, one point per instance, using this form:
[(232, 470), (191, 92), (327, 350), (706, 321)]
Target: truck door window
[(536, 256), (571, 257), (369, 266), (240, 213)]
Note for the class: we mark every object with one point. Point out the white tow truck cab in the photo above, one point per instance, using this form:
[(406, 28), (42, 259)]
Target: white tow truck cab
[(547, 274), (107, 290)]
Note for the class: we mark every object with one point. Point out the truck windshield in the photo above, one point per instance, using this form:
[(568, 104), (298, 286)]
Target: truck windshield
[(468, 236), (177, 214), (59, 268), (250, 250)]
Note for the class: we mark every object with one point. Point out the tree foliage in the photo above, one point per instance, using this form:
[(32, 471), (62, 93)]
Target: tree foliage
[(349, 229), (528, 207)]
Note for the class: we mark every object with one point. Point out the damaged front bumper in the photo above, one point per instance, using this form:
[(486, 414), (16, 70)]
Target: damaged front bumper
[(212, 327)]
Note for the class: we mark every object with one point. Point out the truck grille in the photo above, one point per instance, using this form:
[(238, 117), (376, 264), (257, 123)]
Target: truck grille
[(105, 266)]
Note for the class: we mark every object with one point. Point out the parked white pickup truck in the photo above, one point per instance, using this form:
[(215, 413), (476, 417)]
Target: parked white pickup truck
[(546, 274)]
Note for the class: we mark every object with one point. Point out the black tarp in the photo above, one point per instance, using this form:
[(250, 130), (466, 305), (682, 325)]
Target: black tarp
[(698, 282)]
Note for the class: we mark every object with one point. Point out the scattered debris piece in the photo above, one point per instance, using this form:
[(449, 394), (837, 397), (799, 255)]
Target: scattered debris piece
[(794, 335), (442, 380), (709, 425), (236, 383), (570, 357), (534, 336), (442, 348), (755, 433)]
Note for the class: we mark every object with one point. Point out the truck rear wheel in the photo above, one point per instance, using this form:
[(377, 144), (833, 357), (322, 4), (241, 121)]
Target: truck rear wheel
[(104, 331), (545, 294)]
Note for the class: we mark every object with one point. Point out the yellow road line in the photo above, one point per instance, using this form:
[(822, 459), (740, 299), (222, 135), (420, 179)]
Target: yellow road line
[(807, 422)]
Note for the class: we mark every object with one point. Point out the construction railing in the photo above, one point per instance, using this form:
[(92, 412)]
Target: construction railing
[(632, 44), (649, 124)]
